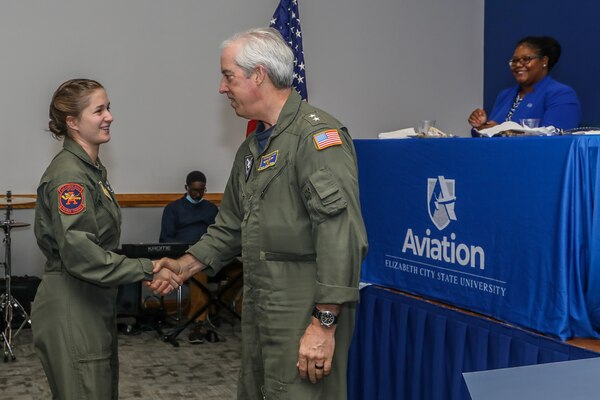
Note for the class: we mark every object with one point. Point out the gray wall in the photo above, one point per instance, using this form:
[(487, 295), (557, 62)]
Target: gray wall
[(377, 65)]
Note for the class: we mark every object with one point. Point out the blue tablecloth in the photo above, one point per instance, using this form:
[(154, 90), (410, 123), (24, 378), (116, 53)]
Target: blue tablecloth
[(505, 226), (407, 348)]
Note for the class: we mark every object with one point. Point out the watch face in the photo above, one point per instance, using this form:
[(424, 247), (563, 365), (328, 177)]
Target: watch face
[(327, 318)]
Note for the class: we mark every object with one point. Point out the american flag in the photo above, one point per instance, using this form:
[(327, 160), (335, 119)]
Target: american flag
[(286, 20), (327, 138)]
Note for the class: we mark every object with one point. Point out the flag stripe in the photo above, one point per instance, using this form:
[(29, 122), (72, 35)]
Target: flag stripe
[(286, 20), (326, 139)]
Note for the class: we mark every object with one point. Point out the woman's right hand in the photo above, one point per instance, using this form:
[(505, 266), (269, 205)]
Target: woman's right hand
[(477, 118), (164, 282)]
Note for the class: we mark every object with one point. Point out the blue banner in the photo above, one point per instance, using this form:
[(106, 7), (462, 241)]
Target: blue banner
[(503, 226)]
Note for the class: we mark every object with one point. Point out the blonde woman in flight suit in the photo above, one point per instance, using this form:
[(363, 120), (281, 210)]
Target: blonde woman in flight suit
[(77, 225)]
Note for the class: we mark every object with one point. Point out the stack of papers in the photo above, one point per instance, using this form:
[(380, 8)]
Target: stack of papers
[(586, 132), (515, 127), (412, 133), (401, 134)]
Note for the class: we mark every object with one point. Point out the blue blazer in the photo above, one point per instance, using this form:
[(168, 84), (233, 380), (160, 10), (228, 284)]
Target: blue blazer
[(554, 103)]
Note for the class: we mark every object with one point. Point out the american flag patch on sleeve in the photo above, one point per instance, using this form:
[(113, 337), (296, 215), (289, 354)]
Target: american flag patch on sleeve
[(328, 138)]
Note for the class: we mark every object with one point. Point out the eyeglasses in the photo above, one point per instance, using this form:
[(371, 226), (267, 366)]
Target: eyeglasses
[(525, 60)]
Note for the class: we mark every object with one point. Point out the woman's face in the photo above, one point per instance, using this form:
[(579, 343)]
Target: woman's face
[(530, 72), (92, 127)]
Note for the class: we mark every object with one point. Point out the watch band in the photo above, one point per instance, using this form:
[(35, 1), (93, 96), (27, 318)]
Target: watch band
[(326, 318)]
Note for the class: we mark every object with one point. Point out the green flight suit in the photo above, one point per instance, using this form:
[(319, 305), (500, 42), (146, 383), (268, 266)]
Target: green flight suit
[(73, 318), (293, 212)]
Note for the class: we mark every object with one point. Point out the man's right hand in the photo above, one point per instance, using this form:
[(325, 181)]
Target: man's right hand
[(185, 266), (164, 281), (168, 263)]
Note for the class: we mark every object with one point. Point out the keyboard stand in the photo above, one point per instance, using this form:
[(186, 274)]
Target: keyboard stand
[(214, 298)]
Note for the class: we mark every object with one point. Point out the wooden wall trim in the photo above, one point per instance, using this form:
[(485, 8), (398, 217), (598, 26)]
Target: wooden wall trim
[(124, 199), (159, 199)]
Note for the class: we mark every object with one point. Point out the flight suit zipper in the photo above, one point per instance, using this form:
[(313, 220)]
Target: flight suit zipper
[(262, 193)]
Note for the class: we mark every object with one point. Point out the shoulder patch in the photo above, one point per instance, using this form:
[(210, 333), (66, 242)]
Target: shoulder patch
[(314, 118), (328, 138), (71, 199)]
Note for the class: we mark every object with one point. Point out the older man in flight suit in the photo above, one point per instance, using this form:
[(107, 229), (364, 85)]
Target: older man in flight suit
[(291, 208)]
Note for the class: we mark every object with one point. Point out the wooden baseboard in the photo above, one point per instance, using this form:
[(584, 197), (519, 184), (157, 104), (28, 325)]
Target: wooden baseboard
[(25, 201)]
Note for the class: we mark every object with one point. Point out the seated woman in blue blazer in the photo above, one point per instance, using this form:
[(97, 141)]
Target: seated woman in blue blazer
[(536, 94)]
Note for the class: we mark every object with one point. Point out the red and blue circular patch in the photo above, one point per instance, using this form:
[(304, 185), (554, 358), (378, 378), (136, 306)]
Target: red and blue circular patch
[(70, 199)]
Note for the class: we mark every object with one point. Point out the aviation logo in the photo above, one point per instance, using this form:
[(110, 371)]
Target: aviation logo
[(440, 201)]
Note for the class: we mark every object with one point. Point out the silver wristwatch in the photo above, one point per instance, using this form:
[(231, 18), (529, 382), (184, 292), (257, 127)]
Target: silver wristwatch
[(326, 318)]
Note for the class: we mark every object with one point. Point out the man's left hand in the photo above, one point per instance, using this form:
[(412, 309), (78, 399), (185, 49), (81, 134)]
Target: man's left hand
[(316, 352)]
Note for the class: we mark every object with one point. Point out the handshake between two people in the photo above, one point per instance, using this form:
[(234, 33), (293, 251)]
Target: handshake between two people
[(169, 274)]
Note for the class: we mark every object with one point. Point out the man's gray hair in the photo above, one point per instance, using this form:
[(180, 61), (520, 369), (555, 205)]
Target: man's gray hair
[(266, 47)]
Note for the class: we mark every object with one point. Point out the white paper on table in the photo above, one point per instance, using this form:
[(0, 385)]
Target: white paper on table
[(412, 133), (591, 132), (513, 126), (400, 134)]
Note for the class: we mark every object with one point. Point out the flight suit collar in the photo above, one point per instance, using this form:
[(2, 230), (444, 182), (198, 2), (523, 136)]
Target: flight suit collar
[(75, 148), (286, 117), (288, 112)]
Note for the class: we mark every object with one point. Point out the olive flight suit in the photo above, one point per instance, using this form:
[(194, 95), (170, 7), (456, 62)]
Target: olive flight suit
[(77, 223), (293, 212)]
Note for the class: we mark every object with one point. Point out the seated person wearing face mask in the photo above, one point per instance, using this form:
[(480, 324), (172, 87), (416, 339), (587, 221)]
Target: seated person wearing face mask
[(184, 221)]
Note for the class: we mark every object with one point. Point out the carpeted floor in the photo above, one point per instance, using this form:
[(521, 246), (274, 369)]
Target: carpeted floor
[(149, 368)]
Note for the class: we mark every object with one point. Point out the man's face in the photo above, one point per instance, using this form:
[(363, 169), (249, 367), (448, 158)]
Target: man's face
[(196, 190), (239, 89)]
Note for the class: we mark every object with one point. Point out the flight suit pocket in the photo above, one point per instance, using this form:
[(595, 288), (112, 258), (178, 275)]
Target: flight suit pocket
[(323, 196), (275, 391), (97, 377)]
